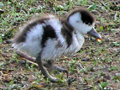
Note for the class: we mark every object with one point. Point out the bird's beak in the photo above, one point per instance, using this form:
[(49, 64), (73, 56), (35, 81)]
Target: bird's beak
[(94, 33)]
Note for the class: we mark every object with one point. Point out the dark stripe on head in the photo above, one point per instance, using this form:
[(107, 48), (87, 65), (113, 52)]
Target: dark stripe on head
[(48, 32), (21, 37), (66, 31), (86, 16)]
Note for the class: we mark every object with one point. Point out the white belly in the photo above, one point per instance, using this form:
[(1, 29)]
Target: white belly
[(50, 51)]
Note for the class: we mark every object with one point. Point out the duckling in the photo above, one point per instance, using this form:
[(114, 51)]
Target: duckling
[(50, 37)]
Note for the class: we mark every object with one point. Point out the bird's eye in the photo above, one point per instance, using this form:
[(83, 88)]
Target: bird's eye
[(88, 23)]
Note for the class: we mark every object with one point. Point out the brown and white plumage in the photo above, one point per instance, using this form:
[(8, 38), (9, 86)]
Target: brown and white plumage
[(49, 37)]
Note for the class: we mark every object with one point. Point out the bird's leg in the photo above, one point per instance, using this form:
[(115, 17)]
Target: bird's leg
[(45, 72), (50, 66), (23, 55)]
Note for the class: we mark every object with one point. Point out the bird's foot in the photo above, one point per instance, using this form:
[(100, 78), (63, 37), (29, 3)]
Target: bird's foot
[(52, 67)]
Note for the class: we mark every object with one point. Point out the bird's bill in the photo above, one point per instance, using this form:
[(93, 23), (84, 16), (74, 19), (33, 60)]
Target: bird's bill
[(94, 33)]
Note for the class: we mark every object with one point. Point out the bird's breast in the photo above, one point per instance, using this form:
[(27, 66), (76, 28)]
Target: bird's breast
[(77, 42)]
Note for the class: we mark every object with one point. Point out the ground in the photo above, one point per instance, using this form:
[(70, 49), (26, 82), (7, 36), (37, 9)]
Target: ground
[(95, 67)]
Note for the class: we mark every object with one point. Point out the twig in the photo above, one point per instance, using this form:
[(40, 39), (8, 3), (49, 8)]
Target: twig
[(82, 67)]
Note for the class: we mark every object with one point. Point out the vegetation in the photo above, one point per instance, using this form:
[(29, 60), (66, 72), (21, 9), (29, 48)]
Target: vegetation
[(96, 66)]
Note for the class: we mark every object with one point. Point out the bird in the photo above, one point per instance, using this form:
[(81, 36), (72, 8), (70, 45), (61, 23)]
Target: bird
[(49, 37)]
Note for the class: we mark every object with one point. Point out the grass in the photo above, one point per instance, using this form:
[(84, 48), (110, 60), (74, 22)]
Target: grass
[(96, 66)]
